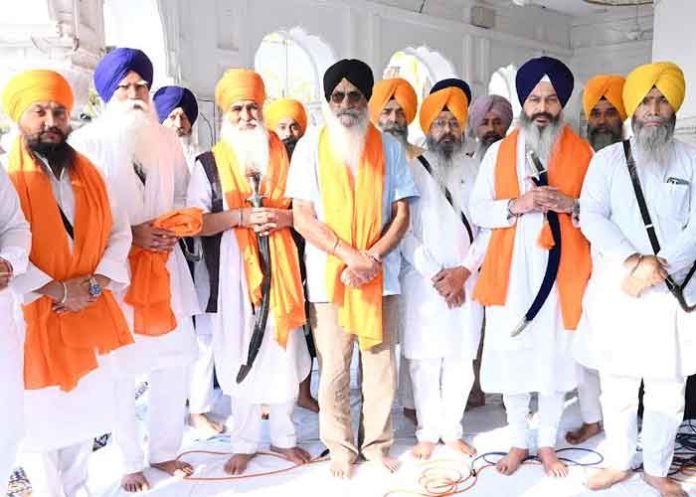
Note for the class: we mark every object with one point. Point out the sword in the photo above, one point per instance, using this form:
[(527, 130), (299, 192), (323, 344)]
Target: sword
[(256, 200)]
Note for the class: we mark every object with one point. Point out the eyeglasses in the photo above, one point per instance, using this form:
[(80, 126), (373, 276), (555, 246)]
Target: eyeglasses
[(354, 97), (442, 123)]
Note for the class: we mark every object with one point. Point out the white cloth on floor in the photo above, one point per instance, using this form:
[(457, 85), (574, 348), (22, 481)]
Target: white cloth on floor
[(664, 410), (202, 371), (549, 414), (589, 391), (540, 358), (59, 472), (245, 433), (441, 389)]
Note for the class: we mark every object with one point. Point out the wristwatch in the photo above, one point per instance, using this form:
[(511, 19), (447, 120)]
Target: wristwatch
[(95, 289)]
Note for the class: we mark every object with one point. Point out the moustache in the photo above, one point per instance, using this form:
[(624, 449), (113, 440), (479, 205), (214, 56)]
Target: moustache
[(491, 136), (542, 114), (52, 129), (348, 112), (449, 137)]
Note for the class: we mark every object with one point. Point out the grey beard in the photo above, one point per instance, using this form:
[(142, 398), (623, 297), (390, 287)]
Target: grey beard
[(398, 132), (600, 138), (446, 151), (654, 144), (541, 140)]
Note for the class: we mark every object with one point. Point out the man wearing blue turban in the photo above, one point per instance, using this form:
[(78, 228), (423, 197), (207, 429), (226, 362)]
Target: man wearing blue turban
[(177, 109), (147, 174)]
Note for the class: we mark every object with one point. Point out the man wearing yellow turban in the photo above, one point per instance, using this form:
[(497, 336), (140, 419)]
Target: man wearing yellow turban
[(602, 102), (288, 118), (653, 340), (237, 239), (393, 106), (78, 259), (441, 327)]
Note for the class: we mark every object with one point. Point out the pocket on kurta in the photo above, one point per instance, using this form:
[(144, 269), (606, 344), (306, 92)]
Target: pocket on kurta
[(673, 202)]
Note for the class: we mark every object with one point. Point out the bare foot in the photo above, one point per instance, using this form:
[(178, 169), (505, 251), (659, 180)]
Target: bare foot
[(552, 465), (237, 464), (174, 468), (340, 469), (135, 482), (305, 399), (423, 450), (410, 414), (666, 486), (512, 461), (461, 446), (584, 433), (206, 424), (390, 463), (606, 478), (296, 455)]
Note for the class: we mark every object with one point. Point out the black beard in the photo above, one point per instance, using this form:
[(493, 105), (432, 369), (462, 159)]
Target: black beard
[(603, 136), (490, 138), (58, 155), (290, 143)]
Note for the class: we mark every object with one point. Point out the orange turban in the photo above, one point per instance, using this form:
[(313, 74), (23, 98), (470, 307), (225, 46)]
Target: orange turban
[(29, 87), (283, 108), (396, 88), (239, 84), (451, 97), (609, 87), (665, 76)]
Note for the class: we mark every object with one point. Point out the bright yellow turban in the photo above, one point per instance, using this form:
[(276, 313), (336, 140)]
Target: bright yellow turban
[(609, 87), (451, 97), (29, 87), (239, 84), (396, 88), (283, 108), (665, 76)]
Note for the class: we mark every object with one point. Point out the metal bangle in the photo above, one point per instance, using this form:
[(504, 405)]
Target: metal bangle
[(640, 258), (65, 293), (335, 245)]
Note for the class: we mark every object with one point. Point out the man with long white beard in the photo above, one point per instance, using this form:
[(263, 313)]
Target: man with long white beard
[(258, 307), (144, 164), (177, 109), (350, 187), (634, 326), (78, 260), (441, 325), (526, 194), (490, 117)]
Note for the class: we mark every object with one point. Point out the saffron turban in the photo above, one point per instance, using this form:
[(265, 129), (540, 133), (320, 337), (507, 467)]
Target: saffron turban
[(283, 108), (603, 86), (534, 70), (29, 87), (239, 84), (665, 76), (169, 98), (355, 71), (116, 65), (400, 90), (448, 94), (481, 106)]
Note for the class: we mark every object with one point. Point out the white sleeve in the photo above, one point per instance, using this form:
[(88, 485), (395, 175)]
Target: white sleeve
[(114, 263), (15, 236), (200, 192), (477, 251), (418, 256), (302, 181), (486, 211), (680, 253)]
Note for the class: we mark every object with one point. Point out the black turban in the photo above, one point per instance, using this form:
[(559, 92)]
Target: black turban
[(355, 71), (532, 71), (453, 82)]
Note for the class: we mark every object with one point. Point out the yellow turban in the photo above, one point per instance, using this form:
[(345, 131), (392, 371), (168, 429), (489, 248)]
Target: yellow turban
[(665, 76), (451, 97), (609, 87), (283, 108), (29, 87), (396, 88), (239, 84)]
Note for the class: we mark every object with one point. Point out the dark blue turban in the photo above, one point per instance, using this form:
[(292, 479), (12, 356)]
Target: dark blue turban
[(453, 82), (355, 71), (116, 65), (532, 71), (169, 98)]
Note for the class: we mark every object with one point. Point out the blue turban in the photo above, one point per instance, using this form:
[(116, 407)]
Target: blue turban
[(115, 65), (169, 98), (453, 82), (532, 71)]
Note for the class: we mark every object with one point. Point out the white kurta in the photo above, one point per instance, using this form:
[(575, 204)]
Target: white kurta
[(438, 239), (53, 418), (539, 359), (165, 190), (277, 372), (649, 336)]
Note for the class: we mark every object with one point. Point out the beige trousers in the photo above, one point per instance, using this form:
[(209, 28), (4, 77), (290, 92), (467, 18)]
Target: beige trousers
[(334, 350)]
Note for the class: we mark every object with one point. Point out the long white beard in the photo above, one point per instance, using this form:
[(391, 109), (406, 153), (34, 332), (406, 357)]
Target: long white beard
[(250, 146), (542, 140), (136, 126), (347, 144), (444, 167), (654, 145)]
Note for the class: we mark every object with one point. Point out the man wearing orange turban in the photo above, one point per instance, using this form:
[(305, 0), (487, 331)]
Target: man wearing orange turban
[(236, 239), (393, 106), (441, 327), (78, 259), (602, 102), (654, 341), (288, 118), (145, 166)]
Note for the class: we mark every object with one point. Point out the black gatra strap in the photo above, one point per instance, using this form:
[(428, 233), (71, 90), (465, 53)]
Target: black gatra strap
[(448, 196), (139, 172), (67, 224)]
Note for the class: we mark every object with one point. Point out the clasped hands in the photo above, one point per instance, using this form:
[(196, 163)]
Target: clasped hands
[(72, 295), (542, 199), (263, 220), (449, 283), (361, 268), (644, 271), (5, 273)]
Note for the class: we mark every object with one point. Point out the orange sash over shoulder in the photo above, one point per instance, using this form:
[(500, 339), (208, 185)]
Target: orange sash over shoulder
[(61, 349), (287, 297), (353, 210), (150, 291), (567, 168)]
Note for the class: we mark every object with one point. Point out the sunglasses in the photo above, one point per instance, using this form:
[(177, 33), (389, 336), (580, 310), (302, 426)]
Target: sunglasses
[(354, 97)]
